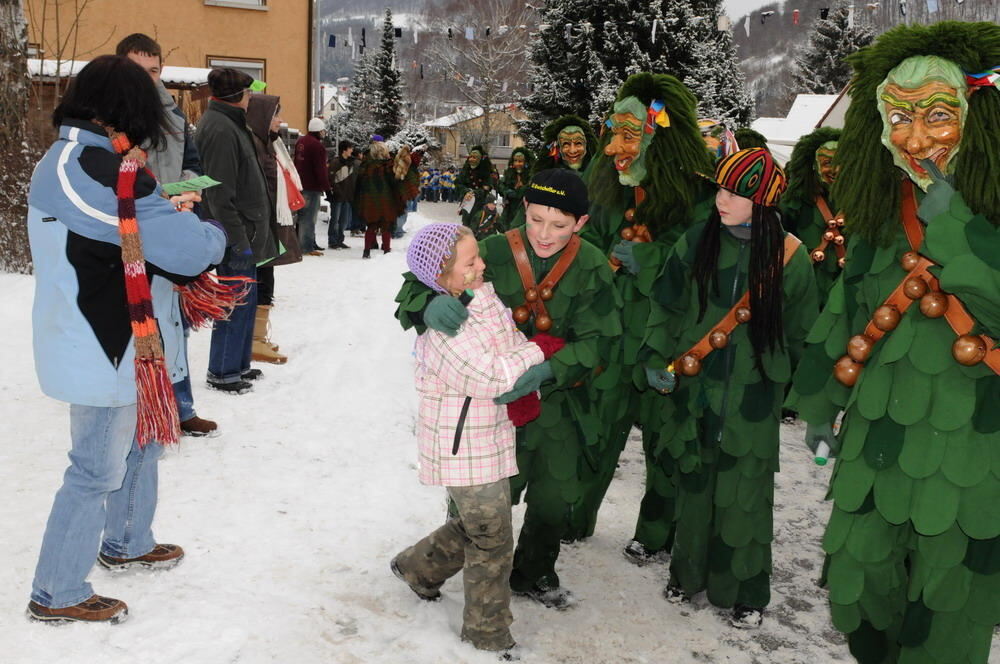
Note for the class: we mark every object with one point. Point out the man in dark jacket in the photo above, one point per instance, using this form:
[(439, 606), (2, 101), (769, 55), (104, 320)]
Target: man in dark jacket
[(343, 178), (242, 205), (310, 162)]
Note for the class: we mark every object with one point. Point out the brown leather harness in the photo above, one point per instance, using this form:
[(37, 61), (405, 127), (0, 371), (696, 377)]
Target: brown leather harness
[(537, 294), (833, 233)]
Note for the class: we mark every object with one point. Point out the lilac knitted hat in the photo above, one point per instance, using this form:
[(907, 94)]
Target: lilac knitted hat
[(428, 251)]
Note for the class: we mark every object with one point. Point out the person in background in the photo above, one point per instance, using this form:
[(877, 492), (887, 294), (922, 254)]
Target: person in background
[(242, 205), (311, 163), (105, 268), (174, 159), (343, 178)]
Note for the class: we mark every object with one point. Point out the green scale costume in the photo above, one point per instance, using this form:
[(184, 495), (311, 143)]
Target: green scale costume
[(723, 424), (676, 196), (513, 184), (913, 541), (555, 453), (551, 156), (800, 213), (480, 181)]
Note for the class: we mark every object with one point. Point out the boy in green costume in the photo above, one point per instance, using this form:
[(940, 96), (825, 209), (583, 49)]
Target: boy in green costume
[(513, 185), (477, 179), (556, 452), (807, 208), (741, 267), (913, 541), (644, 186)]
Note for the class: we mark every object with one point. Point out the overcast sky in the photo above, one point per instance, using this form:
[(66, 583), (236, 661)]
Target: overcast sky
[(737, 8)]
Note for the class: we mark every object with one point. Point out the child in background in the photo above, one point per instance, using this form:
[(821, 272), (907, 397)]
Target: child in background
[(466, 441)]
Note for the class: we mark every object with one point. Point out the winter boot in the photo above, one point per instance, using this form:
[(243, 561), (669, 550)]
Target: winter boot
[(198, 427), (163, 556), (637, 554), (424, 593), (92, 610), (263, 350), (386, 238), (557, 598), (746, 617)]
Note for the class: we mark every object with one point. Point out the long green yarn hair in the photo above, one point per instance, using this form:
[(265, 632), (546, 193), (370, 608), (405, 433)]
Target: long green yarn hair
[(485, 167), (803, 180), (674, 159), (529, 158), (551, 133), (750, 138), (867, 189)]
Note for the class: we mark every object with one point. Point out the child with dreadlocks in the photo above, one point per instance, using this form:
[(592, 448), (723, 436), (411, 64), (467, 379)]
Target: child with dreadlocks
[(465, 440), (732, 305)]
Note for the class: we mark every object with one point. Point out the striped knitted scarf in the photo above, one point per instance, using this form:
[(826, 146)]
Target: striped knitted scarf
[(156, 408)]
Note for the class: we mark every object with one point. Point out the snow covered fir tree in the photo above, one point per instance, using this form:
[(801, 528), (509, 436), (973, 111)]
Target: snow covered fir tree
[(820, 66), (386, 83)]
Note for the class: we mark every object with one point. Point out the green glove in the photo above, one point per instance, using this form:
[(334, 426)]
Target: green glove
[(445, 314), (661, 380), (624, 251), (939, 194), (822, 433), (529, 382)]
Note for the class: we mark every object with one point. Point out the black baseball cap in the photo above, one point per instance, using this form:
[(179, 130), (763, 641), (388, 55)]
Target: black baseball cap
[(559, 188)]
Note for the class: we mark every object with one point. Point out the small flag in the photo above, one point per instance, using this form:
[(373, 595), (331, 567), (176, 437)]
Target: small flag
[(764, 15), (350, 39), (472, 79), (421, 72), (932, 6), (850, 17), (652, 36), (257, 86), (505, 86), (414, 35), (567, 31), (724, 23), (470, 33), (332, 41), (363, 42), (449, 33), (824, 13), (902, 7), (746, 25), (397, 33), (795, 17)]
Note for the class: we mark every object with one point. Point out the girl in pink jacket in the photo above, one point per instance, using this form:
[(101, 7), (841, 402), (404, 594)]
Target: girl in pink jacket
[(465, 441)]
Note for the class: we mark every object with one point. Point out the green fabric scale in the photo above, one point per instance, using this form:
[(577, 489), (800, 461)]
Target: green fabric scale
[(620, 394), (722, 426), (556, 453), (809, 225), (913, 541)]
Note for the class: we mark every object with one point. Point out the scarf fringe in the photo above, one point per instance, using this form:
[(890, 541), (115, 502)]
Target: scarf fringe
[(158, 420), (207, 299)]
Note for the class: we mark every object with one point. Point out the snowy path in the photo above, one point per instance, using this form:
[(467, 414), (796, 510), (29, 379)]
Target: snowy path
[(290, 517)]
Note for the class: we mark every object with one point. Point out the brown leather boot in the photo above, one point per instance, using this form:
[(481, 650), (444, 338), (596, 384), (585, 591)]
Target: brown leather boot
[(263, 350), (163, 556), (198, 427), (95, 609)]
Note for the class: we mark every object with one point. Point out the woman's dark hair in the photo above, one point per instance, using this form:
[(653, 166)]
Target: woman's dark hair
[(119, 94), (343, 145), (766, 272)]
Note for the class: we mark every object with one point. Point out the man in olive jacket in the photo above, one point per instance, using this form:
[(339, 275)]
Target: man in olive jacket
[(241, 204)]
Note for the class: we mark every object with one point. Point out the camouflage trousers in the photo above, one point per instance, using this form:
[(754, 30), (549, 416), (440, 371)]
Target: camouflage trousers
[(479, 542)]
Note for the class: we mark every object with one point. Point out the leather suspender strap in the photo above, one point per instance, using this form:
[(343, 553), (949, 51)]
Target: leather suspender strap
[(958, 317), (728, 323), (824, 210), (557, 272)]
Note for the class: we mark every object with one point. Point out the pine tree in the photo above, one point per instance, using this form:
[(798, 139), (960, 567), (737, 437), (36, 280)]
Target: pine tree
[(716, 79), (15, 157), (358, 123), (387, 105), (820, 67)]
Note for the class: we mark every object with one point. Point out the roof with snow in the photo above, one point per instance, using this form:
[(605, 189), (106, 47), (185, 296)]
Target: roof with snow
[(171, 76), (806, 113), (464, 115)]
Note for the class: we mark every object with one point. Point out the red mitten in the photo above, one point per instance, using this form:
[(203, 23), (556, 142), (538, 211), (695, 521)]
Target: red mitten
[(525, 409), (549, 344)]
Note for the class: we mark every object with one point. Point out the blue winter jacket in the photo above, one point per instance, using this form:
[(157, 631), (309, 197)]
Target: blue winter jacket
[(82, 335)]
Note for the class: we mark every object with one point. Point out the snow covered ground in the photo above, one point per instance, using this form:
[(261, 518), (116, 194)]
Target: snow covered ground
[(290, 517)]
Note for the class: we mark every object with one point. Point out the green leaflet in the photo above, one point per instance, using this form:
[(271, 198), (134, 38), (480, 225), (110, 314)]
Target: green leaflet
[(983, 556), (846, 578), (945, 550), (983, 604), (871, 540), (978, 515), (954, 400), (949, 638), (910, 398), (976, 285), (893, 492), (947, 589), (851, 485), (852, 436), (837, 530), (983, 239), (935, 505), (930, 351), (923, 450), (846, 618), (873, 391), (879, 609), (967, 459), (883, 444), (987, 416), (895, 344), (748, 561), (735, 527)]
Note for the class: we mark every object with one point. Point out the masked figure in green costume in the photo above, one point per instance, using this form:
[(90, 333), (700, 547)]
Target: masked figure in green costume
[(750, 138), (557, 452), (808, 209), (513, 184), (474, 185), (645, 192), (739, 267), (913, 541)]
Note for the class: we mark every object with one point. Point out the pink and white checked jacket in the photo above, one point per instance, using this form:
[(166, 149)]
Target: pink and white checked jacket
[(482, 361)]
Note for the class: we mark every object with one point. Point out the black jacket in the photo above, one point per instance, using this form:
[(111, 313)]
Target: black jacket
[(241, 203)]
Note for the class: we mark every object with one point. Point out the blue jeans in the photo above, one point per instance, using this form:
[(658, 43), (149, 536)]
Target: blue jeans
[(232, 340), (110, 487), (305, 219), (356, 223), (340, 218)]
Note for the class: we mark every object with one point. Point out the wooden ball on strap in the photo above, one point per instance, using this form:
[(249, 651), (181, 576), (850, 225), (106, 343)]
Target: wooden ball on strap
[(886, 318), (840, 222), (629, 216), (718, 339), (841, 262), (915, 288), (531, 295), (859, 347), (847, 371), (968, 349), (839, 240), (743, 315), (546, 294), (934, 304), (829, 236), (543, 323), (522, 314), (818, 256), (690, 365), (909, 260), (628, 233), (831, 223)]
